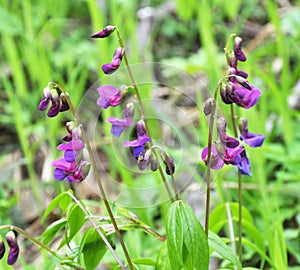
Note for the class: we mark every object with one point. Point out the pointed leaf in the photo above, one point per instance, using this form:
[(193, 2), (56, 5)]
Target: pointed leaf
[(216, 244), (186, 240), (62, 197)]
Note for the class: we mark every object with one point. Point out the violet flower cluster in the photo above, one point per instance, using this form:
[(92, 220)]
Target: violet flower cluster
[(57, 99), (72, 166), (110, 96), (237, 90), (13, 248)]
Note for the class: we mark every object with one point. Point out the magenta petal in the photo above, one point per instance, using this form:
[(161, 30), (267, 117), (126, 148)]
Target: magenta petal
[(13, 255), (75, 145), (216, 161)]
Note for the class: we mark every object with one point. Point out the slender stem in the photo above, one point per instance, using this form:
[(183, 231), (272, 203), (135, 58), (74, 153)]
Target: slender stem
[(98, 179), (30, 237), (98, 230), (240, 198), (143, 114)]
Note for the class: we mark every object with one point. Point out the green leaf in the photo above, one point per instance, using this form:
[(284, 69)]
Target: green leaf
[(92, 248), (52, 230), (63, 200), (162, 260), (76, 219), (144, 261), (216, 244), (186, 240)]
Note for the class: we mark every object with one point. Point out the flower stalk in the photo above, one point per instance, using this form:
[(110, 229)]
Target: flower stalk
[(98, 179), (142, 110)]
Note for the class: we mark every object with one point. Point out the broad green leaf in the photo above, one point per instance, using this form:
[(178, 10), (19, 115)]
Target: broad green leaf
[(52, 230), (62, 199), (92, 248), (162, 260), (174, 232), (186, 240), (76, 219), (216, 244)]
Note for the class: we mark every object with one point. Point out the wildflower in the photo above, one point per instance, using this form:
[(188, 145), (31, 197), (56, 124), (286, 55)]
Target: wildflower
[(170, 165), (72, 171), (72, 149), (216, 162), (109, 96), (241, 96), (105, 32), (58, 101), (144, 159), (142, 138), (239, 54), (224, 138), (252, 139), (119, 125), (2, 248), (13, 248), (74, 132), (244, 164), (115, 63)]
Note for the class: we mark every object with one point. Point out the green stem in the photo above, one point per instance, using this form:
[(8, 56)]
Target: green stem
[(97, 229), (209, 147), (144, 116), (98, 179), (30, 237), (240, 198)]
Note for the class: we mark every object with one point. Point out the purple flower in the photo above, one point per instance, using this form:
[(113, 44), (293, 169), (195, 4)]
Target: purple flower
[(231, 155), (242, 96), (142, 138), (239, 54), (252, 139), (224, 138), (216, 161), (109, 96), (246, 98), (74, 132), (72, 171), (115, 63), (58, 102), (119, 125), (244, 165), (105, 32), (13, 248)]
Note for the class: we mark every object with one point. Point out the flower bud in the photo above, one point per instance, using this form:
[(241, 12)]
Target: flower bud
[(64, 103), (129, 110), (115, 63), (84, 169), (239, 54), (242, 81), (140, 128), (144, 159), (170, 166), (208, 105), (13, 247), (105, 32), (231, 59), (2, 248)]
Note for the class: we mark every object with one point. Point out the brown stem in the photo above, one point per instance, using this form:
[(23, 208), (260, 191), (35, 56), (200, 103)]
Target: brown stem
[(98, 180), (144, 115)]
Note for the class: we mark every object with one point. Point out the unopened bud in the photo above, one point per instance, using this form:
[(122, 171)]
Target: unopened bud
[(64, 103), (208, 105), (144, 159), (242, 81), (129, 110), (170, 166), (13, 248), (105, 32), (84, 169), (239, 54)]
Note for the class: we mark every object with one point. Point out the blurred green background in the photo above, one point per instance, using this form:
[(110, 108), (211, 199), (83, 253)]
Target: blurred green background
[(44, 41)]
